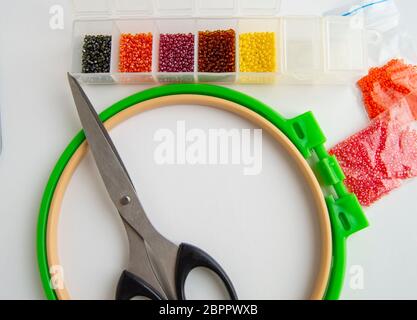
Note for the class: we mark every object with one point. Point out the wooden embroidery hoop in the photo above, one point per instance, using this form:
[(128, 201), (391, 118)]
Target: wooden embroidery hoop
[(323, 275)]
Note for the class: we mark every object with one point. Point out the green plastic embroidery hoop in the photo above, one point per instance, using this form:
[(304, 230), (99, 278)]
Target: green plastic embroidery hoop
[(345, 213)]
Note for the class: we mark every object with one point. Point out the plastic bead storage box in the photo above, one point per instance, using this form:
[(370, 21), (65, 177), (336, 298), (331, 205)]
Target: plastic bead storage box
[(216, 41)]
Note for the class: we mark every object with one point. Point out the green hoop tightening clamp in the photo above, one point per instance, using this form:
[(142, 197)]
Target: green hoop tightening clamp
[(346, 215)]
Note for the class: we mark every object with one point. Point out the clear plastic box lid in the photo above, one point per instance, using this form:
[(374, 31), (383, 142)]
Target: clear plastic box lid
[(259, 7), (132, 7), (91, 8), (187, 8), (180, 7)]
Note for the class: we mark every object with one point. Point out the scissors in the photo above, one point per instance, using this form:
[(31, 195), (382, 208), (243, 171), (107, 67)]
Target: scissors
[(157, 268)]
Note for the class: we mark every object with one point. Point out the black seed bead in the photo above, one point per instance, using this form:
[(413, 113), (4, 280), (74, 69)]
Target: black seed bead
[(96, 54)]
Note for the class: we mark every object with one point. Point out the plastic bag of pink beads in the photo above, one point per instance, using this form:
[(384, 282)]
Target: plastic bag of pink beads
[(377, 159)]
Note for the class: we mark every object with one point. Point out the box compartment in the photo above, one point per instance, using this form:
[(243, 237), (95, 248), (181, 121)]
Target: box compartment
[(303, 54), (82, 28), (213, 25), (345, 48), (175, 26), (133, 26), (251, 25)]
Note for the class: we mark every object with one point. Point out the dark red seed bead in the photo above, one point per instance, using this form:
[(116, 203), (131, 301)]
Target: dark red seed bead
[(217, 51)]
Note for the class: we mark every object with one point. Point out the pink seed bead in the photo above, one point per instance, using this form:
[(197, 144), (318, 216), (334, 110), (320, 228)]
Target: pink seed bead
[(176, 52)]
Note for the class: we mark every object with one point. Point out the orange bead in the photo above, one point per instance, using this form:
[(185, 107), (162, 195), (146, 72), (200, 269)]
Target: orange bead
[(135, 52)]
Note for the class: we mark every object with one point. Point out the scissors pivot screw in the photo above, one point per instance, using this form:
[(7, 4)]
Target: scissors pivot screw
[(125, 200)]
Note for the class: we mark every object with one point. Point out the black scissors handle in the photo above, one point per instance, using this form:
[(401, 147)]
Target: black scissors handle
[(131, 286), (189, 257)]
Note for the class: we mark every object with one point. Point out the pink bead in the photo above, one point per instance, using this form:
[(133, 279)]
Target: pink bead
[(176, 52)]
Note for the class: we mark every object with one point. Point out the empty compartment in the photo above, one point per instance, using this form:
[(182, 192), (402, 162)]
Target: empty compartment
[(176, 43), (302, 48), (133, 50), (92, 54), (258, 50), (345, 45), (217, 50)]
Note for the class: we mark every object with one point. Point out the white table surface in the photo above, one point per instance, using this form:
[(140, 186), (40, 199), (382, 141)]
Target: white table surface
[(39, 119)]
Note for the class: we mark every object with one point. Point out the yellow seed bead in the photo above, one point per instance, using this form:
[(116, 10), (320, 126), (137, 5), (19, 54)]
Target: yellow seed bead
[(257, 52)]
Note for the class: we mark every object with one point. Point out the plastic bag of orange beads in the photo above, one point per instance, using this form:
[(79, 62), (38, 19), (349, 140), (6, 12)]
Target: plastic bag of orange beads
[(385, 86), (377, 159)]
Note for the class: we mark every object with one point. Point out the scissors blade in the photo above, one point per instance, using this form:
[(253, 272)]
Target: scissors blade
[(112, 170)]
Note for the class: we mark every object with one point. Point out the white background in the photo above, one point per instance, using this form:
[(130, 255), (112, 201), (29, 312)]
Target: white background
[(261, 229)]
